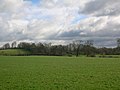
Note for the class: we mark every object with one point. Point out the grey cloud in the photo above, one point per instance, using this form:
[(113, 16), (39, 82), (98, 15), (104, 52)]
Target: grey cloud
[(72, 33), (105, 42), (93, 6), (102, 7)]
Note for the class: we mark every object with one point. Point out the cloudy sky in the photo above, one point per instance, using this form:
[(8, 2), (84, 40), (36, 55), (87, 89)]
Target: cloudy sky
[(60, 21)]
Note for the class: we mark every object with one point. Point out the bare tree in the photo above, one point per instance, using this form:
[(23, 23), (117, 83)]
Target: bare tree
[(118, 42), (6, 46), (77, 45), (13, 45), (88, 47)]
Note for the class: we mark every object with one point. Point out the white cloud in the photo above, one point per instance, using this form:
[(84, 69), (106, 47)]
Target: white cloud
[(59, 20)]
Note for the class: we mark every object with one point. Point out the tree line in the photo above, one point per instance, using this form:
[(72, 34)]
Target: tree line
[(76, 48)]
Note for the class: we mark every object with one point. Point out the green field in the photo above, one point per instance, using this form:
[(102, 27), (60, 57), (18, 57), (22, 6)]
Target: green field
[(59, 73), (13, 52)]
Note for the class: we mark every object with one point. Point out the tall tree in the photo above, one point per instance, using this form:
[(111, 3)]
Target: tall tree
[(118, 46), (89, 47), (13, 45), (6, 46), (118, 42), (77, 45)]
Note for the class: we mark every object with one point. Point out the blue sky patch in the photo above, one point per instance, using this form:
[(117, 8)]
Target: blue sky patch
[(78, 18), (35, 1)]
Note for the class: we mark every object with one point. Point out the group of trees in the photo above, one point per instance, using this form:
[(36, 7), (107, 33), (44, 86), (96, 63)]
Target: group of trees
[(76, 48)]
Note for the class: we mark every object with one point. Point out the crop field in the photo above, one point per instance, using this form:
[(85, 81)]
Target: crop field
[(59, 73)]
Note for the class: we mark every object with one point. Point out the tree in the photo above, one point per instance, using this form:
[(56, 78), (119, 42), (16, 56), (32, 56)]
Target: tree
[(118, 46), (13, 45), (77, 45), (118, 42), (24, 45), (40, 48), (89, 49), (70, 49), (6, 46), (47, 47)]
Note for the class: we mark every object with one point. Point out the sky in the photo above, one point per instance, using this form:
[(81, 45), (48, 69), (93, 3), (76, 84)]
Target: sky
[(60, 21)]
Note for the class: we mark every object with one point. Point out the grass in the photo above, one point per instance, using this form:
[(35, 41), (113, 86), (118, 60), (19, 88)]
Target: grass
[(10, 52), (59, 73)]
